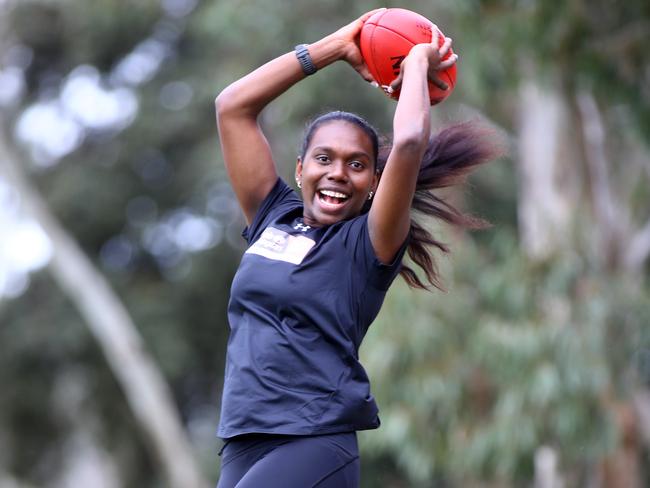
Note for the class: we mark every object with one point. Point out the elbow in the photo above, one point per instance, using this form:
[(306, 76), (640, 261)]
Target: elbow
[(412, 142), (230, 103), (412, 135), (223, 103)]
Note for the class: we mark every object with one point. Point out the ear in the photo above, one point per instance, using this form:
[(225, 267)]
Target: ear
[(299, 168), (375, 181)]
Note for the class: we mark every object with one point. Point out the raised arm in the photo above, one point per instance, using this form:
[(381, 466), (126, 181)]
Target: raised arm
[(389, 218), (246, 152)]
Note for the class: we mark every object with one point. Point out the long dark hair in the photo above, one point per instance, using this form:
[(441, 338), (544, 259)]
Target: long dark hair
[(451, 155)]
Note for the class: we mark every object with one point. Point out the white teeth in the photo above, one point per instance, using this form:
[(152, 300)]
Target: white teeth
[(334, 194)]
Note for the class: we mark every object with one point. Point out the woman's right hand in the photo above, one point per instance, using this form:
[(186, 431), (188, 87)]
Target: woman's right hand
[(348, 37)]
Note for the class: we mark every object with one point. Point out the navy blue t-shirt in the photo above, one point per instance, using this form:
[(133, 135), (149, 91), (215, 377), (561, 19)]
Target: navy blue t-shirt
[(301, 302)]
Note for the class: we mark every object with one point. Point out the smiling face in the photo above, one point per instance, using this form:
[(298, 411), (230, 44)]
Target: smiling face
[(337, 173)]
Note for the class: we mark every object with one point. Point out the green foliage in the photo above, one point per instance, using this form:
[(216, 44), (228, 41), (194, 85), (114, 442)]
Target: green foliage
[(470, 382), (585, 45)]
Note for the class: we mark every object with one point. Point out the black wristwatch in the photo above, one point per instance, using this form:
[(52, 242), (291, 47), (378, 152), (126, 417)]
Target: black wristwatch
[(308, 66)]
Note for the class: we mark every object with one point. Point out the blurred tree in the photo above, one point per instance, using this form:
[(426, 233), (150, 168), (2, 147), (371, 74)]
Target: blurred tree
[(540, 350), (111, 325)]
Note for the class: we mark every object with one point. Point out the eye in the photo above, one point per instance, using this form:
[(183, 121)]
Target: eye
[(322, 158), (357, 164)]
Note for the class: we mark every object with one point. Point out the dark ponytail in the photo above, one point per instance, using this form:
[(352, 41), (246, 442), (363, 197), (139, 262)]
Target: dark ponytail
[(451, 155)]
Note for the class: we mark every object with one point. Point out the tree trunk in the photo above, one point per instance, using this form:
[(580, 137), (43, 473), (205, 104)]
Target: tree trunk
[(108, 320), (622, 468), (610, 221), (638, 251), (85, 462), (545, 202), (546, 468)]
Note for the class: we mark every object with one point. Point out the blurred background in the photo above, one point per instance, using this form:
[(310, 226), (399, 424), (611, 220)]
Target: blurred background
[(119, 237)]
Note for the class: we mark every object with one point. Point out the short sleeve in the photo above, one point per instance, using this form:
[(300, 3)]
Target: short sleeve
[(280, 200), (356, 238)]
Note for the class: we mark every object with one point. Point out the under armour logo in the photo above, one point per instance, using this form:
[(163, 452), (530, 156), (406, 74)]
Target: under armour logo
[(301, 227)]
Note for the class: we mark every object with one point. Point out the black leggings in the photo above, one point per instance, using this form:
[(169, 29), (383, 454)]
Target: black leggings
[(270, 461)]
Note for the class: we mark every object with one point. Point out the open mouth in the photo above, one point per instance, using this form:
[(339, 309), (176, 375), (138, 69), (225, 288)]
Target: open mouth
[(332, 198)]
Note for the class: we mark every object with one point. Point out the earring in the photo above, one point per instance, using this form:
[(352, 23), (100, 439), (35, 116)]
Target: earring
[(370, 195), (298, 183)]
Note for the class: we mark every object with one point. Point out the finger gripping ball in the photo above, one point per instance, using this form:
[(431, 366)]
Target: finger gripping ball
[(386, 39)]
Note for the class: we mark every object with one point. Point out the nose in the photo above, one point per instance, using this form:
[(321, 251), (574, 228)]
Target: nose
[(338, 171)]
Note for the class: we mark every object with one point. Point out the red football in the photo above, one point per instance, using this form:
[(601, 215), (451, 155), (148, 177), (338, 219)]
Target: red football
[(386, 39)]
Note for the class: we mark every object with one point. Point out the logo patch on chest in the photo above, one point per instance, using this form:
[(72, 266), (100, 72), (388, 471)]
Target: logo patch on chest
[(278, 245)]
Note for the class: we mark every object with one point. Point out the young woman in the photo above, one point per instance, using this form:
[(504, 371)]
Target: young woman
[(318, 267)]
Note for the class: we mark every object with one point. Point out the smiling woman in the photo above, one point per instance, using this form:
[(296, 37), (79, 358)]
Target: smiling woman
[(337, 169), (317, 268)]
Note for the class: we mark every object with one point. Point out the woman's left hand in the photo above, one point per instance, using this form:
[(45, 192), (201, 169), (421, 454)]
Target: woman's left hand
[(435, 56)]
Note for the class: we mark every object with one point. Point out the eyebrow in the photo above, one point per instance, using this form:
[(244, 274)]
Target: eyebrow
[(354, 154)]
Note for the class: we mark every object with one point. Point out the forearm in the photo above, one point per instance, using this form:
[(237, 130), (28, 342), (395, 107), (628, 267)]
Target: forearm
[(389, 220), (250, 94), (411, 123)]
